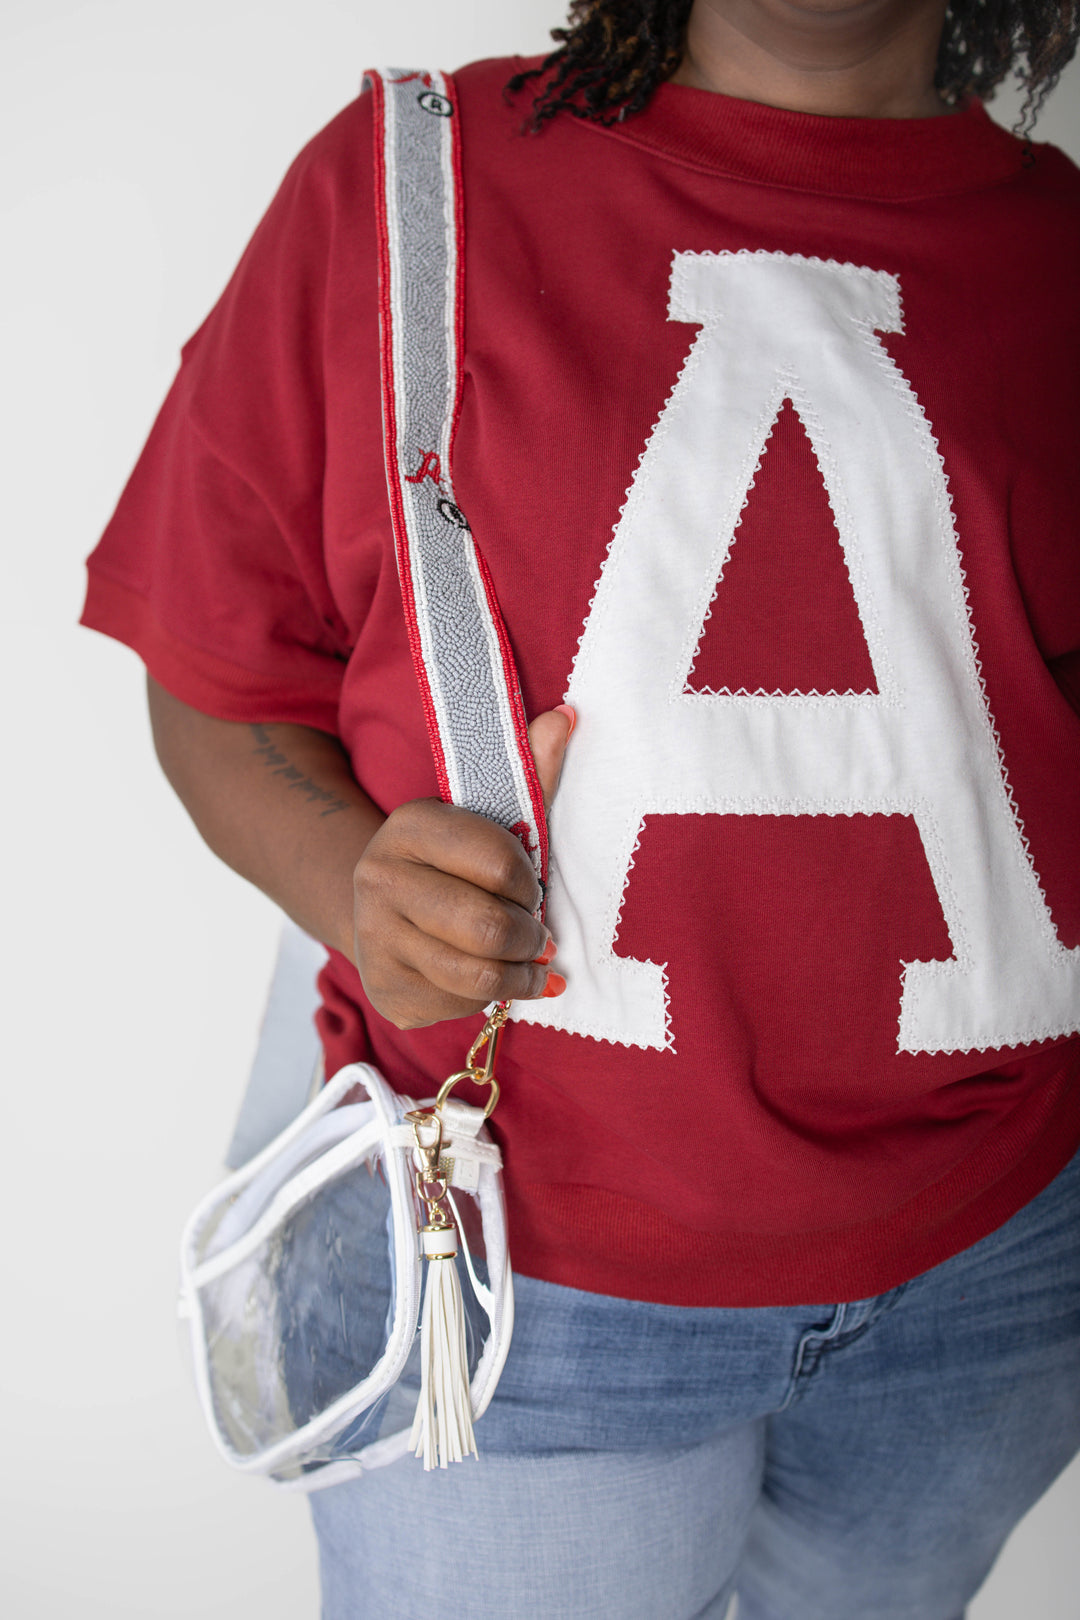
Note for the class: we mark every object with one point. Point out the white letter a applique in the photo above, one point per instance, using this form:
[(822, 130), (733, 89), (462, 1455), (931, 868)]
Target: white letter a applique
[(916, 739)]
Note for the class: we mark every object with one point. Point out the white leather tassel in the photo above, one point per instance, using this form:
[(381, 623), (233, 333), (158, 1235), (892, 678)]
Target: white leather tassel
[(442, 1430)]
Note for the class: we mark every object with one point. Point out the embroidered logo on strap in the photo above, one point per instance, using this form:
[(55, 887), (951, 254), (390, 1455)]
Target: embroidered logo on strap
[(461, 653)]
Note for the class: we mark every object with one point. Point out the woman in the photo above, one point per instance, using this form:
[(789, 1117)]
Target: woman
[(790, 1126)]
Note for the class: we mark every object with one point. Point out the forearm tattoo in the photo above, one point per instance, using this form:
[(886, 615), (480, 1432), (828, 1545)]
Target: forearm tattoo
[(294, 778)]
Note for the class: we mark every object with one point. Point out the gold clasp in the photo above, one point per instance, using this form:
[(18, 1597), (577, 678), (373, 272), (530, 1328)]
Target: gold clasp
[(489, 1037), (431, 1176), (428, 1178)]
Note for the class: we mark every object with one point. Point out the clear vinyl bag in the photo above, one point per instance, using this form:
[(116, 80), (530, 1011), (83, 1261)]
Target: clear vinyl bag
[(305, 1274), (302, 1277)]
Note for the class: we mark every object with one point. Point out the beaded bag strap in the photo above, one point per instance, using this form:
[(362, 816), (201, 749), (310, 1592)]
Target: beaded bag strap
[(461, 652)]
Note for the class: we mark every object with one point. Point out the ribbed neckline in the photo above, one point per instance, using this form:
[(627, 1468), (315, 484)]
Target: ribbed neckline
[(888, 158)]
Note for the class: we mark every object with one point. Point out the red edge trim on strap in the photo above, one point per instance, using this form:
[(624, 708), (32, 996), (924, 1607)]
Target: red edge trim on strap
[(510, 675), (517, 709), (397, 509), (390, 445)]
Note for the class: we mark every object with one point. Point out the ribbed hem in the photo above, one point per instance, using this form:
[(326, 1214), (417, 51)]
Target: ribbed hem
[(607, 1243), (210, 684), (891, 159)]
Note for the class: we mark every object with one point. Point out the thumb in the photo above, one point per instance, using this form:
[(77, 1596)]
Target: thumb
[(548, 737)]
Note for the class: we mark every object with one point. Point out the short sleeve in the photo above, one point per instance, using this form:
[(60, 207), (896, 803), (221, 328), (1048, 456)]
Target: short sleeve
[(213, 566)]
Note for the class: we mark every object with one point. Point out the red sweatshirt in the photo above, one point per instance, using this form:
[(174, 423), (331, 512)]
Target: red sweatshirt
[(768, 437)]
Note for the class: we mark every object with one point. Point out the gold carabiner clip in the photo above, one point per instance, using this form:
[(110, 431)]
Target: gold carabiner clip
[(489, 1037)]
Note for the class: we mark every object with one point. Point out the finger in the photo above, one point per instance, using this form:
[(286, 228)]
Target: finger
[(411, 1002), (474, 979), (467, 918), (548, 737), (409, 999), (446, 838)]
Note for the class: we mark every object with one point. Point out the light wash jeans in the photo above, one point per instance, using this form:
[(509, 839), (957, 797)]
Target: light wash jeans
[(861, 1461)]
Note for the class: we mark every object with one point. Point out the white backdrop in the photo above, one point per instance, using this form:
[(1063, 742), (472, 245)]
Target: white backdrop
[(141, 142)]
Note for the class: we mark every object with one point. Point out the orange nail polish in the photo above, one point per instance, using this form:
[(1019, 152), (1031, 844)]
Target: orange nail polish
[(564, 708), (546, 954), (554, 985)]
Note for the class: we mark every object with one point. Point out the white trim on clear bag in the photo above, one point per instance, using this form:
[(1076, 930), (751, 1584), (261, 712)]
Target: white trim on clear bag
[(476, 1162), (477, 729)]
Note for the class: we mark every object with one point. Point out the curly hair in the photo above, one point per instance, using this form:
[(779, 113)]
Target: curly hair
[(613, 53)]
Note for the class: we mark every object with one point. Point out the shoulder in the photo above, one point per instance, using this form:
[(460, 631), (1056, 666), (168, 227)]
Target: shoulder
[(1042, 216), (1054, 175), (325, 172), (334, 169), (487, 79)]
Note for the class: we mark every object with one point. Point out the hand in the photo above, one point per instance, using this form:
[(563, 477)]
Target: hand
[(444, 902)]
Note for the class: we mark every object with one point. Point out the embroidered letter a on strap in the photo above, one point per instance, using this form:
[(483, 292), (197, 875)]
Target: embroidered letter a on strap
[(463, 660)]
